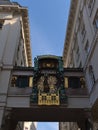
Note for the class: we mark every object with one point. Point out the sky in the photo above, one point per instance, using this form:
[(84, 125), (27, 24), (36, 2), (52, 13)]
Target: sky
[(47, 126), (48, 21)]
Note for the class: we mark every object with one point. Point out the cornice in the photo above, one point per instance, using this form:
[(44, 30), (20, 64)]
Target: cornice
[(71, 18), (17, 9)]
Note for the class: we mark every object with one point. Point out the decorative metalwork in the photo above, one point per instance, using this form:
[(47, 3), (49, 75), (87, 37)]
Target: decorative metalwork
[(48, 81), (48, 99)]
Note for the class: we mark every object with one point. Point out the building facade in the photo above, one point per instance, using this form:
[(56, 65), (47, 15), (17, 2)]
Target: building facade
[(14, 49), (68, 126), (30, 125), (81, 50)]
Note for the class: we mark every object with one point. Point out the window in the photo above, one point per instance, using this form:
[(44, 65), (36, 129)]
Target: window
[(74, 82), (87, 47), (95, 22), (90, 6), (79, 19), (83, 31), (82, 28), (22, 81)]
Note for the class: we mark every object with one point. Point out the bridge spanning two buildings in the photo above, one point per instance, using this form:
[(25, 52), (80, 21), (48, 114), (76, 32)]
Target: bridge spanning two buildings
[(47, 92)]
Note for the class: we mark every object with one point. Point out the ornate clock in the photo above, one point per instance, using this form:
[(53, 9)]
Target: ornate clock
[(48, 84)]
